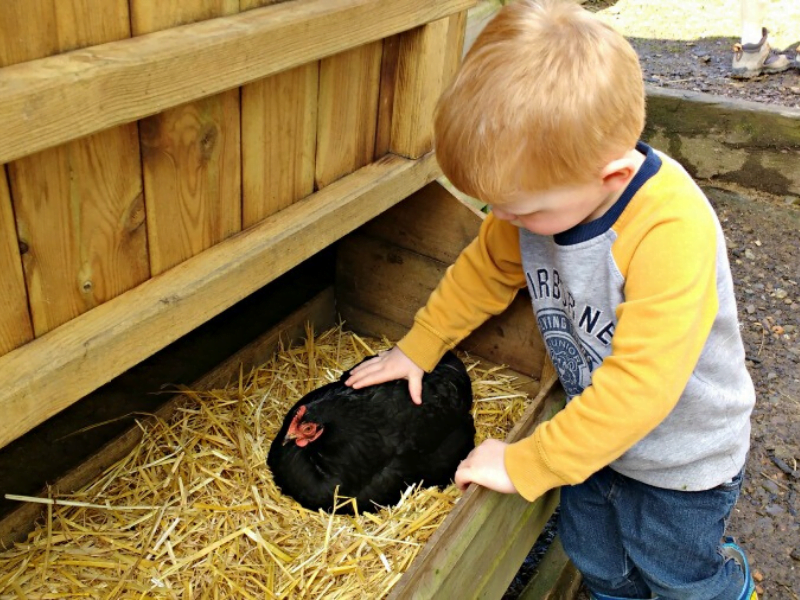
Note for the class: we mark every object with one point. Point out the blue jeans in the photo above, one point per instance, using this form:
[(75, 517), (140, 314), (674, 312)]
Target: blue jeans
[(632, 540)]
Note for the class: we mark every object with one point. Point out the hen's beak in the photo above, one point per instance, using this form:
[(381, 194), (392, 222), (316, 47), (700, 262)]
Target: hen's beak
[(289, 437)]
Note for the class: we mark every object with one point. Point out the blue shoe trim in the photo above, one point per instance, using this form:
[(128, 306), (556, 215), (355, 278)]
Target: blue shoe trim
[(732, 550)]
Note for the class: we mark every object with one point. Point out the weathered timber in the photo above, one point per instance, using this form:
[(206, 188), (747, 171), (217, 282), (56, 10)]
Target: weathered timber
[(15, 321), (555, 578), (55, 99), (191, 154), (78, 206), (51, 372)]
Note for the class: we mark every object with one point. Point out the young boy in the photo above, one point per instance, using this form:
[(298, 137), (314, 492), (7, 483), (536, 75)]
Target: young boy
[(627, 270)]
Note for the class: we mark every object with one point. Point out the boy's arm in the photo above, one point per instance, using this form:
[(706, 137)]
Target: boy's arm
[(482, 282), (662, 326)]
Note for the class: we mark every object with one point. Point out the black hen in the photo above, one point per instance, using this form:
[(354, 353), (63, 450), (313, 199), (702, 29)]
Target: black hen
[(375, 441)]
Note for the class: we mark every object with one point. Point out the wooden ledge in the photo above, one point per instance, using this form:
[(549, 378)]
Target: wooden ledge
[(57, 369), (52, 100)]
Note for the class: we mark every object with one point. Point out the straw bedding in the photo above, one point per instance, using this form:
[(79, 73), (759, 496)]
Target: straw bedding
[(192, 511)]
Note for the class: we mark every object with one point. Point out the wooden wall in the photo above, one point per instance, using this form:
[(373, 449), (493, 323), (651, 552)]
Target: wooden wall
[(152, 149)]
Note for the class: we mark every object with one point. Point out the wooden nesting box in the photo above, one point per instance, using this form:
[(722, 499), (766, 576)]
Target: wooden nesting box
[(164, 160)]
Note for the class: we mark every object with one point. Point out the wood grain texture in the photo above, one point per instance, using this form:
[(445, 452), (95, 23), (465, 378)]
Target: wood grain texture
[(278, 141), (389, 61), (78, 206), (148, 16), (555, 578), (53, 100), (191, 156), (31, 29), (50, 373), (349, 83), (392, 282), (423, 62), (15, 322), (80, 214), (318, 311)]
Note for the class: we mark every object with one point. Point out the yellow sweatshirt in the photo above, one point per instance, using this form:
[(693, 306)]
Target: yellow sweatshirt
[(638, 315)]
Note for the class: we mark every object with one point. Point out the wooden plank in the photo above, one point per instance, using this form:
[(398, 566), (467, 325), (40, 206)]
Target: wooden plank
[(278, 141), (31, 29), (447, 228), (50, 101), (191, 157), (50, 373), (80, 214), (466, 558), (78, 206), (389, 62), (15, 322), (349, 83), (555, 578), (394, 283), (148, 16), (319, 311), (427, 61)]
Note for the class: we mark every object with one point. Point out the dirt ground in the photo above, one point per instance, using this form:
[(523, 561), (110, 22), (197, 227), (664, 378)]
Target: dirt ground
[(687, 45)]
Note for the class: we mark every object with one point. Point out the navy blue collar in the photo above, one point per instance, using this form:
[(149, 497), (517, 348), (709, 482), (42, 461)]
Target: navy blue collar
[(586, 231)]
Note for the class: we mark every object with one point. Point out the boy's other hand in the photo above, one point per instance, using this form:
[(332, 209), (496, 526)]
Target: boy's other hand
[(485, 465), (388, 366)]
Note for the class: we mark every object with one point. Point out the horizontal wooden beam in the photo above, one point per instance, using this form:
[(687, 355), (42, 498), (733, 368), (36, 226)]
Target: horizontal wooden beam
[(53, 371), (49, 101)]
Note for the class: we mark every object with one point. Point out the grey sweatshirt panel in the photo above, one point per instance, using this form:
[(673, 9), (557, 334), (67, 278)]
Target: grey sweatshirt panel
[(575, 290)]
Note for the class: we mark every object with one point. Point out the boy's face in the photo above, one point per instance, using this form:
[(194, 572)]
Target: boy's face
[(555, 211)]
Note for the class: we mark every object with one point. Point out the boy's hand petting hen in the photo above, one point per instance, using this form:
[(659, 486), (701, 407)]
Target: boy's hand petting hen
[(388, 366), (485, 465)]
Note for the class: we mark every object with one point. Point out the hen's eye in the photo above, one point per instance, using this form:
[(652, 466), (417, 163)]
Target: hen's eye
[(308, 428)]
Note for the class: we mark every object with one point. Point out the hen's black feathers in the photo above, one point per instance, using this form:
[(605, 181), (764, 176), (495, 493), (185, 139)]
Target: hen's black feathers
[(376, 441)]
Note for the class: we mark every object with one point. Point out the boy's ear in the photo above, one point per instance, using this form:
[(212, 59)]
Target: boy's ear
[(618, 173)]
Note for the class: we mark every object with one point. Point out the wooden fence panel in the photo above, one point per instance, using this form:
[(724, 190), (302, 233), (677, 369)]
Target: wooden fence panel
[(279, 141), (428, 58), (348, 111), (191, 155), (15, 322), (78, 206)]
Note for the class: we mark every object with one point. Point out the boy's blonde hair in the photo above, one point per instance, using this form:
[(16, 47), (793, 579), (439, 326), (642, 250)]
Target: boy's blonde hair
[(546, 97)]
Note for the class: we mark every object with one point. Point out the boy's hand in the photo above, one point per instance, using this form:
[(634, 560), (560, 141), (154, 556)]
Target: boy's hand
[(388, 366), (485, 465)]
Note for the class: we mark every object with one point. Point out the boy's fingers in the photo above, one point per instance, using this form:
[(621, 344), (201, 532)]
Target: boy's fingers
[(415, 389)]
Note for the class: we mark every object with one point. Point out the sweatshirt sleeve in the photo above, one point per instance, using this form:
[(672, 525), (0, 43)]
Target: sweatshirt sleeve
[(482, 282), (662, 326)]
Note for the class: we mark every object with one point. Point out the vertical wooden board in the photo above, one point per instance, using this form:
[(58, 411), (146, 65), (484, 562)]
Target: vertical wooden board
[(278, 141), (79, 206), (391, 53), (191, 156), (424, 57), (154, 15), (80, 213), (15, 322), (31, 29), (348, 111)]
